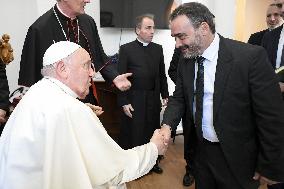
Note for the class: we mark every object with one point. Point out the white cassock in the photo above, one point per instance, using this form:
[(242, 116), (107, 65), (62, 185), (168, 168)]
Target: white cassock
[(54, 141)]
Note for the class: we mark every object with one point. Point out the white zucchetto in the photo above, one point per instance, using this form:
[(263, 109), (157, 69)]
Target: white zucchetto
[(58, 51)]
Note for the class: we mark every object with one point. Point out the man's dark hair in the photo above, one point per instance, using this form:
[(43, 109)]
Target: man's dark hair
[(139, 19), (196, 13)]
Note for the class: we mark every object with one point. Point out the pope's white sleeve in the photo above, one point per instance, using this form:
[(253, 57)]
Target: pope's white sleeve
[(142, 161)]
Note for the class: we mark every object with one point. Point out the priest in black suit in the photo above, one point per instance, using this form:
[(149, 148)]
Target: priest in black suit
[(271, 43), (141, 104), (4, 95), (66, 21), (232, 98), (274, 48), (273, 20)]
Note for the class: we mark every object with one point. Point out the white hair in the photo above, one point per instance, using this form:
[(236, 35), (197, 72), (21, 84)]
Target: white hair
[(49, 70)]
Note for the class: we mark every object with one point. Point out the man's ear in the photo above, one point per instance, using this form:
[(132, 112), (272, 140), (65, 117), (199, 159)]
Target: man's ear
[(204, 28), (61, 69), (137, 30)]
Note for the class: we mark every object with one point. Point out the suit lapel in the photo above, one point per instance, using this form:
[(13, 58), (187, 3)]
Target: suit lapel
[(224, 65)]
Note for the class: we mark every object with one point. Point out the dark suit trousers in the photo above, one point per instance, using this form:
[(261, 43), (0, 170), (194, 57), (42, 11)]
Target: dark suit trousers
[(189, 144), (211, 169)]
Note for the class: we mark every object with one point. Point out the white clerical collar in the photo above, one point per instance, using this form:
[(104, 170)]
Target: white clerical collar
[(144, 44), (62, 86), (213, 49), (63, 12)]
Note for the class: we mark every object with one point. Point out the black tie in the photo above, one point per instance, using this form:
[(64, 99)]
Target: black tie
[(199, 92)]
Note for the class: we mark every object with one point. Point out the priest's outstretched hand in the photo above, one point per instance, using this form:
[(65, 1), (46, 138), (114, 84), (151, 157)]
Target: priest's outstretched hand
[(159, 140), (121, 81)]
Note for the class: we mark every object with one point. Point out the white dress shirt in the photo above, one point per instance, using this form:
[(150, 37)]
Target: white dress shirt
[(210, 63)]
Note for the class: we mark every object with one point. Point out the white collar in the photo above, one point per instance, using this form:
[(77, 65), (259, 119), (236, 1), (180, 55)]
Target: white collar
[(213, 49), (144, 44), (62, 86)]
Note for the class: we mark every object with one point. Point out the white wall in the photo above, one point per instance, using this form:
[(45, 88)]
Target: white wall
[(224, 11), (17, 15), (15, 20), (255, 17)]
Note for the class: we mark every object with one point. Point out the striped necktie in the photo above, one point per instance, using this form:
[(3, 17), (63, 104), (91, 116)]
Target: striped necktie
[(199, 92)]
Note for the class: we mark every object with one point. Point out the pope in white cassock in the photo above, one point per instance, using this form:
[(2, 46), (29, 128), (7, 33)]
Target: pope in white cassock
[(54, 141)]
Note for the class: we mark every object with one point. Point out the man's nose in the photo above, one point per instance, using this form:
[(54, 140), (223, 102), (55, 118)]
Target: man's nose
[(272, 18), (178, 43)]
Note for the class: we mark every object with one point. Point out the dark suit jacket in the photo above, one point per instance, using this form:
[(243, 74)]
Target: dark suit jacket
[(174, 65), (270, 43), (247, 110), (256, 38)]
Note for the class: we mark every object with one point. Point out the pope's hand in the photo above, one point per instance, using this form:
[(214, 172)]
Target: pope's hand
[(158, 140), (96, 109), (166, 132), (121, 81)]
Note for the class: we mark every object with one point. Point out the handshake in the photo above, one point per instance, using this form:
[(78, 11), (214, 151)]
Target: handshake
[(161, 138)]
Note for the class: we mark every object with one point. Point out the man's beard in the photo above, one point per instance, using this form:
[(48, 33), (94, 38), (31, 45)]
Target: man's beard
[(193, 49)]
